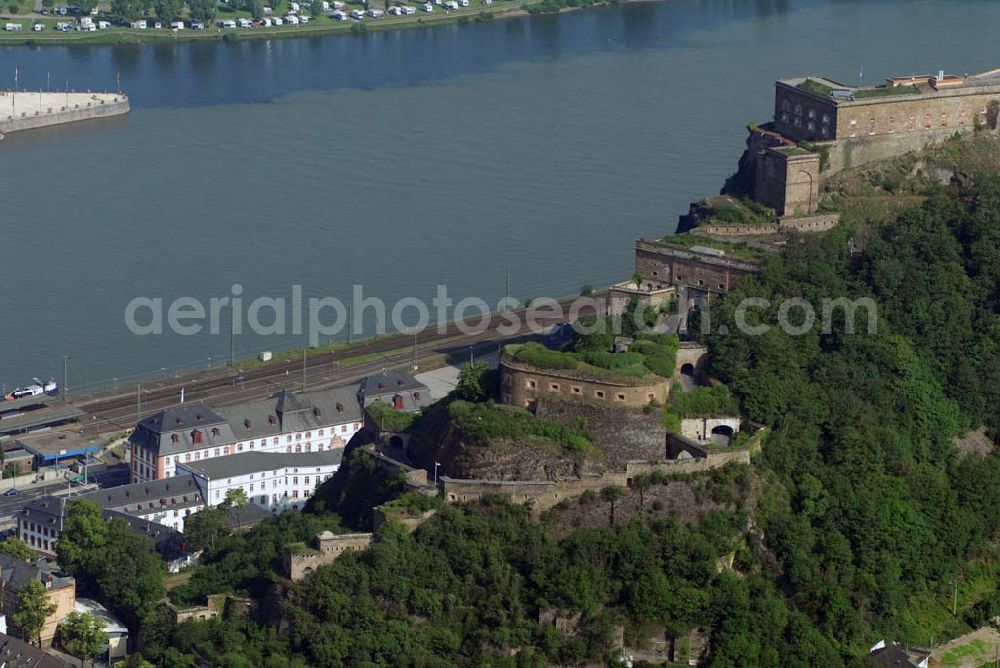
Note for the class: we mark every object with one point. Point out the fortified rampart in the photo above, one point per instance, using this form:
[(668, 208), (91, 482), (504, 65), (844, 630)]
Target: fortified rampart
[(685, 456), (301, 560), (705, 272), (522, 385), (31, 110)]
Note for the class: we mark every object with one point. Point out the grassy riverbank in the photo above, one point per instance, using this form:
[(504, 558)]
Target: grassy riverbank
[(318, 26)]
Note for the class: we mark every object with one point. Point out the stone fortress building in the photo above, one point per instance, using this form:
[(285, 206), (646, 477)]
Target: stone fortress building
[(821, 127)]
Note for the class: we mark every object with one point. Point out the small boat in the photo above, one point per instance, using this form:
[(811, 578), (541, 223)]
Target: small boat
[(33, 390)]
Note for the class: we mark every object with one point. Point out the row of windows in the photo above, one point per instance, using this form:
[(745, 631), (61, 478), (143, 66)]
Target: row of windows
[(41, 543), (943, 120), (306, 480), (578, 390), (39, 528)]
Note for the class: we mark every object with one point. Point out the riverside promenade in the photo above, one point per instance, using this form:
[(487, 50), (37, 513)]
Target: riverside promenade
[(27, 110)]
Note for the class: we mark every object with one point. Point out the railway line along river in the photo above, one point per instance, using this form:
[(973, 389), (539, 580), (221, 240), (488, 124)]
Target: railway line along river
[(401, 160)]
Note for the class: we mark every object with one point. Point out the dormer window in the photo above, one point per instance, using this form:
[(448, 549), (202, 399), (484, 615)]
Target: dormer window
[(271, 419), (340, 407), (416, 395), (247, 423), (316, 411), (196, 436), (175, 438), (215, 431)]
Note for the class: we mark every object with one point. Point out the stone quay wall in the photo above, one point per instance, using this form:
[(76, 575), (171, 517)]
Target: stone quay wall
[(28, 111)]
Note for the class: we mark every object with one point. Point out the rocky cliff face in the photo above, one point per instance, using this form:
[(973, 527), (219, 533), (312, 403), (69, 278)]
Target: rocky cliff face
[(529, 458), (617, 434)]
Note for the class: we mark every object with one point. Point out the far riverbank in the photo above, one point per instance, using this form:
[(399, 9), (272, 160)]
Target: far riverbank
[(319, 25)]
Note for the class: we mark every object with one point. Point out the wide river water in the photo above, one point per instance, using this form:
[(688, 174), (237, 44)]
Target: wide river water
[(403, 160)]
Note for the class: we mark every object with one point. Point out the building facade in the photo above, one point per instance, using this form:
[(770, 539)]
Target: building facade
[(287, 422), (274, 481)]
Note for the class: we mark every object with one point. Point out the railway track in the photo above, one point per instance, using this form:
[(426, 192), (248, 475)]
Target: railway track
[(116, 412)]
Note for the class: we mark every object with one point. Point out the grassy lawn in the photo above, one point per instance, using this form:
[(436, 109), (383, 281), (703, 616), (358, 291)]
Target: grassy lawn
[(956, 655)]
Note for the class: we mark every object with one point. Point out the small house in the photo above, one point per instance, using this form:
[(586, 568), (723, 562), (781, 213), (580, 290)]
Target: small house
[(177, 25), (276, 20), (139, 25), (38, 27), (13, 27), (103, 25), (357, 14), (409, 11), (292, 20), (451, 4), (338, 16)]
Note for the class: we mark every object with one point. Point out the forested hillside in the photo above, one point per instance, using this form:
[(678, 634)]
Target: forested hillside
[(866, 522)]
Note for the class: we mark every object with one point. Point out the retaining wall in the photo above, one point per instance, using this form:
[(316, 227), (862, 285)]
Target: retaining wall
[(58, 115)]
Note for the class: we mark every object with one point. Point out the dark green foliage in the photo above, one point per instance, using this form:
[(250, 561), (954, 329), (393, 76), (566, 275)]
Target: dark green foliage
[(875, 511), (203, 10), (715, 401), (863, 513), (248, 563), (110, 561), (475, 382)]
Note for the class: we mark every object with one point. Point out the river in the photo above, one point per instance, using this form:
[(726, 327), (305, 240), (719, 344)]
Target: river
[(402, 160)]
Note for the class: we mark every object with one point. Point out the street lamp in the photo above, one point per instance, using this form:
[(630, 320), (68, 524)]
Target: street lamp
[(436, 465)]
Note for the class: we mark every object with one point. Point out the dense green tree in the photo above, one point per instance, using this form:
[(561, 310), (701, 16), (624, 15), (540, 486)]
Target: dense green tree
[(236, 500), (17, 548), (33, 608), (471, 382), (83, 538), (206, 528), (203, 10), (111, 561), (128, 10), (168, 10), (83, 636)]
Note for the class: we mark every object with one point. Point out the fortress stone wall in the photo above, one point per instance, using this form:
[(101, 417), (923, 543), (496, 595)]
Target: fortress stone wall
[(705, 274), (523, 385), (328, 548)]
